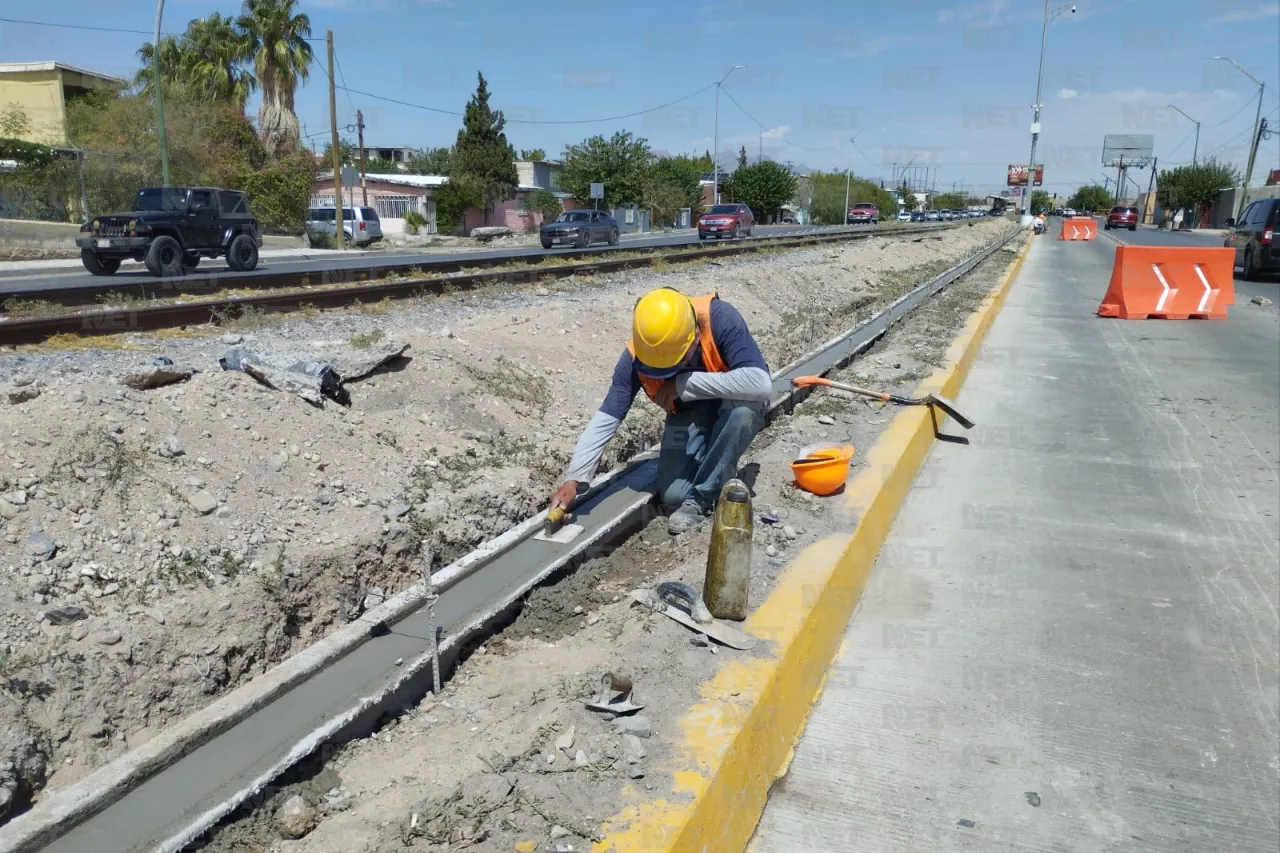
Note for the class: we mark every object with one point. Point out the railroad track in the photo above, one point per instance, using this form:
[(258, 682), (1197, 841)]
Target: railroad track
[(163, 305), (165, 794)]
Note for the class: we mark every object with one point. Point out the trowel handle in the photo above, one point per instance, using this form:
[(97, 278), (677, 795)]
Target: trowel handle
[(811, 381)]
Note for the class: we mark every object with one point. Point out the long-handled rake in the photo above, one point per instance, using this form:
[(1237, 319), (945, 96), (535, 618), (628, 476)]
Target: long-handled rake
[(932, 400)]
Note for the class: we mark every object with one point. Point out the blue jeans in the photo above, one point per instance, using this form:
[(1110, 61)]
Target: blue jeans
[(701, 446)]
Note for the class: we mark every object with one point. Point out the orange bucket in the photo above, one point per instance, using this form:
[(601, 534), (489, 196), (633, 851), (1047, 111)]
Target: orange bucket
[(824, 470)]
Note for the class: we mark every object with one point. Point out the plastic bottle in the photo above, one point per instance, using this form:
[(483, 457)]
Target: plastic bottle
[(729, 558)]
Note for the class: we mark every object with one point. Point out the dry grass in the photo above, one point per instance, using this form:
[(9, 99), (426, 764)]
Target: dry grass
[(365, 340), (68, 342), (510, 382)]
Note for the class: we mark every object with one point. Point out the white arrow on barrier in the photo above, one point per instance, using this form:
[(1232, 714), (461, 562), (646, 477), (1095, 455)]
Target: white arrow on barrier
[(1075, 233), (1164, 296), (1208, 291)]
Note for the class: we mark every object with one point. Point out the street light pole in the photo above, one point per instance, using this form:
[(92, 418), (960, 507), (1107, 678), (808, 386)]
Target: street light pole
[(715, 154), (1196, 150), (158, 82), (1253, 149), (848, 180), (1035, 123)]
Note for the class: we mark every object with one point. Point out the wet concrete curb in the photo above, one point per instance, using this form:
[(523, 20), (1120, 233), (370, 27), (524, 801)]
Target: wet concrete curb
[(738, 740)]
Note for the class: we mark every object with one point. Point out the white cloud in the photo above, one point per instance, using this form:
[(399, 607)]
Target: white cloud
[(1068, 94), (985, 13), (1248, 12), (880, 44)]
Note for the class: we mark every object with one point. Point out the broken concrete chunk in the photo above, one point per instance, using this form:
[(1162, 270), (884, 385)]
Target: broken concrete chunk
[(558, 831), (295, 818), (564, 743), (155, 376), (634, 746), (396, 511), (638, 725), (65, 615), (490, 232), (203, 502), (40, 546), (635, 772), (16, 394), (7, 510), (172, 447), (106, 638), (1261, 300)]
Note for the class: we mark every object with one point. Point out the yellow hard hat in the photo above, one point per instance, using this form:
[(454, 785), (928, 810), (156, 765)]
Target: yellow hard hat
[(663, 329)]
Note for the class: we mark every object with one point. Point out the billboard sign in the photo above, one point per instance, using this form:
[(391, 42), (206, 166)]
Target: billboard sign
[(1128, 149), (1018, 175)]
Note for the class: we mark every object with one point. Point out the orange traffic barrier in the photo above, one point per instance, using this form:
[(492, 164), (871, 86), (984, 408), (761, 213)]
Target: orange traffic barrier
[(1078, 228), (1170, 283)]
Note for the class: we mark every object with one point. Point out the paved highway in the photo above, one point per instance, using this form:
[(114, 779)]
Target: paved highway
[(1078, 650), (219, 275)]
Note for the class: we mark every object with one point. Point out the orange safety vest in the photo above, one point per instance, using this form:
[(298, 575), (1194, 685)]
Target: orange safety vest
[(712, 361)]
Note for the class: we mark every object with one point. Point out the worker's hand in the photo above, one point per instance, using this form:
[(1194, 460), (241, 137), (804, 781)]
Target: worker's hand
[(563, 498), (667, 395)]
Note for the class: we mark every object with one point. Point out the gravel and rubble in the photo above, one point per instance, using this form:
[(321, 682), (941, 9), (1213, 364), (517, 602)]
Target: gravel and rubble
[(529, 767), (161, 546)]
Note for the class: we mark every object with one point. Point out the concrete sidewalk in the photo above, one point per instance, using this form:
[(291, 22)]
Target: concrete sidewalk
[(1070, 641)]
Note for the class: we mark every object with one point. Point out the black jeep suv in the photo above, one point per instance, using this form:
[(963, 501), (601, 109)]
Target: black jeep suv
[(171, 229)]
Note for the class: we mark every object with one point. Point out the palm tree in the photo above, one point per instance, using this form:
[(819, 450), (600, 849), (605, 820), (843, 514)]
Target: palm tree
[(171, 63), (214, 51), (277, 42)]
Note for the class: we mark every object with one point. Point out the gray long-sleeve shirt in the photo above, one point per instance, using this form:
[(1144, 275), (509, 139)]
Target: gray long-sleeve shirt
[(747, 379)]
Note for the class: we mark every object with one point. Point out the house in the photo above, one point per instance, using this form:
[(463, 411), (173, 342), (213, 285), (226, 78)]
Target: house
[(42, 90), (396, 155), (533, 175), (392, 196)]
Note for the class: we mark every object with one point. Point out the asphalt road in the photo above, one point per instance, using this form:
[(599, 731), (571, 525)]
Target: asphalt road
[(217, 274), (1069, 641)]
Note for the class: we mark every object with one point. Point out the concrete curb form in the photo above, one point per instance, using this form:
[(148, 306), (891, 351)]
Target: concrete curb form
[(737, 741)]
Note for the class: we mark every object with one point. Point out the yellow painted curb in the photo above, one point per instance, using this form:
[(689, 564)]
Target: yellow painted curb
[(738, 739)]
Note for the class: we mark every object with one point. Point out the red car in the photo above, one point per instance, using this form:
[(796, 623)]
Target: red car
[(1122, 216), (726, 220)]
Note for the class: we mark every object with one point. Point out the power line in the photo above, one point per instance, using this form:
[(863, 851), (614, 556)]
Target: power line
[(532, 121), (762, 126), (100, 29)]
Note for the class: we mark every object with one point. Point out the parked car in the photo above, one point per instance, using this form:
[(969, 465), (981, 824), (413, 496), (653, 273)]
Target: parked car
[(726, 220), (1122, 216), (904, 216), (580, 228), (1253, 238), (864, 212), (170, 229), (932, 216), (917, 216), (361, 225), (1067, 211)]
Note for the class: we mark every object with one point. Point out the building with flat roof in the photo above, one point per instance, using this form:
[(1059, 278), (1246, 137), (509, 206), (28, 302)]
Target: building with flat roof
[(42, 90)]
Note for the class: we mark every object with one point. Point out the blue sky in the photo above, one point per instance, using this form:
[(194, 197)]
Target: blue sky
[(946, 84)]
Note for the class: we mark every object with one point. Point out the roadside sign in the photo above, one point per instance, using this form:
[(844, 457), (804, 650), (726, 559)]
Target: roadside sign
[(350, 176), (597, 191)]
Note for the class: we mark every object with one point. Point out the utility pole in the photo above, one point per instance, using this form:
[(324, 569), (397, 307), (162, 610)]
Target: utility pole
[(340, 216), (364, 183), (1151, 185), (1253, 154), (715, 155), (158, 82), (1257, 134)]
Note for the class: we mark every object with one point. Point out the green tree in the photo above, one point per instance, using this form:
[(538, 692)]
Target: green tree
[(764, 187), (452, 201), (1195, 187), (908, 198), (379, 166), (1091, 198), (621, 163), (948, 201), (171, 67), (433, 161), (544, 202), (213, 56), (482, 153), (350, 154), (673, 183), (277, 40), (536, 154), (1040, 201), (827, 194)]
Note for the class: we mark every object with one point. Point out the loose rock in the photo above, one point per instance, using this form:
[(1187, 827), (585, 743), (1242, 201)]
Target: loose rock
[(639, 725), (66, 614), (40, 547), (203, 502), (295, 818)]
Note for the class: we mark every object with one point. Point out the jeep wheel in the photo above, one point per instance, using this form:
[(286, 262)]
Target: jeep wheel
[(191, 260), (97, 265), (243, 254), (613, 237), (164, 257), (1250, 269)]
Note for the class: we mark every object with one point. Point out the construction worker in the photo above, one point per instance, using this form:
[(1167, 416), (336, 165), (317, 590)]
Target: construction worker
[(696, 359)]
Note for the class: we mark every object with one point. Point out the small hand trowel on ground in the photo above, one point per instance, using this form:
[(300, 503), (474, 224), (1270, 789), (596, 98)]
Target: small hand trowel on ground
[(554, 529), (615, 696), (930, 400), (680, 602)]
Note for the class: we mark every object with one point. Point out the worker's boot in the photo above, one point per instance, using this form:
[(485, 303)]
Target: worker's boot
[(686, 518)]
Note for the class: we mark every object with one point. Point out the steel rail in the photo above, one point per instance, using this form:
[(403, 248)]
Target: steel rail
[(384, 663), (324, 295)]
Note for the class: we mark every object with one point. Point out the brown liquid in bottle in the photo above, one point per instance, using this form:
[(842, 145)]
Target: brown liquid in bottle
[(729, 558)]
